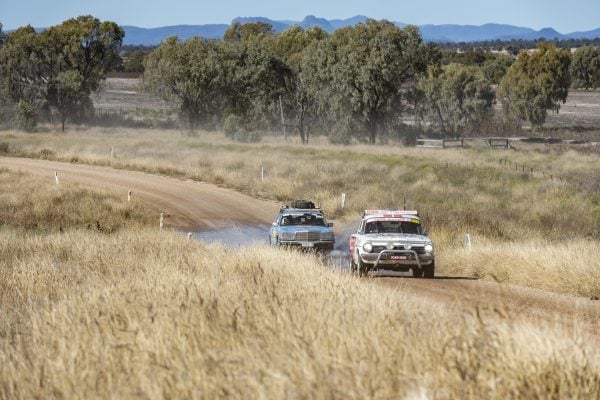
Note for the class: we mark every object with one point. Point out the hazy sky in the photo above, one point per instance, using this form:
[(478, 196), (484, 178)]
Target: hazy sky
[(563, 15)]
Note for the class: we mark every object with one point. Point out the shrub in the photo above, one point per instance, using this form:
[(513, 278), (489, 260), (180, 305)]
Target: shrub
[(231, 125), (25, 116), (244, 136)]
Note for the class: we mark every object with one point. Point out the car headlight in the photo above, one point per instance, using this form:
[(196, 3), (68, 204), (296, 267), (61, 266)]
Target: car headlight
[(368, 247), (408, 246), (287, 235), (428, 248), (390, 246)]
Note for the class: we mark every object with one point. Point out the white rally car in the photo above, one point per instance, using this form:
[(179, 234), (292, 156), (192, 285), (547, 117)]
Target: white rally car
[(392, 240)]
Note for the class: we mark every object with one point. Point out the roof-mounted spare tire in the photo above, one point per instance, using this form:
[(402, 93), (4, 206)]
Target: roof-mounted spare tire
[(303, 204)]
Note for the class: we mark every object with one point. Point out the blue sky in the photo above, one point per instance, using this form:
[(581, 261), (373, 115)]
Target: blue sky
[(565, 16)]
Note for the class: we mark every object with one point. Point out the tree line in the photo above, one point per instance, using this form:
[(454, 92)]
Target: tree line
[(369, 82)]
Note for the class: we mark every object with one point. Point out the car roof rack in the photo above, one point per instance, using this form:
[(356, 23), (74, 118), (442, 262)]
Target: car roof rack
[(392, 213)]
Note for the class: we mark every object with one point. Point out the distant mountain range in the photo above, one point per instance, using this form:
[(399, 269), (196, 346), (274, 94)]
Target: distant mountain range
[(432, 33)]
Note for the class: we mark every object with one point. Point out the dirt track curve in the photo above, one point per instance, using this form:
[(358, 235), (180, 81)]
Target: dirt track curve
[(186, 203), (196, 205)]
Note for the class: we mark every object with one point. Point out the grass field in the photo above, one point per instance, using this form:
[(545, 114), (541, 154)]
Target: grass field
[(547, 228), (132, 312)]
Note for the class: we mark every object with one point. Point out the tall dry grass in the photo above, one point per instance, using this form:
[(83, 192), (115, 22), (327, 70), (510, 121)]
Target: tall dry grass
[(457, 190), (30, 203), (138, 313), (145, 314), (520, 221)]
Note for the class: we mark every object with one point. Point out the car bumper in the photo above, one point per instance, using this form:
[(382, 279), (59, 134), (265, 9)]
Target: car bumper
[(320, 245), (397, 258)]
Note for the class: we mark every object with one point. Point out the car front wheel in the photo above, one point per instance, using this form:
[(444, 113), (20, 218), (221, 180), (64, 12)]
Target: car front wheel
[(363, 268), (417, 272), (429, 271)]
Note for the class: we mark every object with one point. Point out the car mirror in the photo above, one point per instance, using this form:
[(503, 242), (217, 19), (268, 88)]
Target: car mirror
[(330, 224), (274, 224)]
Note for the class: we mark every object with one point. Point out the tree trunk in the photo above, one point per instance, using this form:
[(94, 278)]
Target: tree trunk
[(303, 137), (372, 131)]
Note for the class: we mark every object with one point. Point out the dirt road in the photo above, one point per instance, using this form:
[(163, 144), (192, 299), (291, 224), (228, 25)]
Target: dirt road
[(187, 204), (197, 205)]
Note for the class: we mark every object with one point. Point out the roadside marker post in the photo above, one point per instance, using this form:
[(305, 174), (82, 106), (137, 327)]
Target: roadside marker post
[(56, 177), (262, 173), (162, 219), (468, 242), (111, 152), (129, 196), (190, 235), (343, 200)]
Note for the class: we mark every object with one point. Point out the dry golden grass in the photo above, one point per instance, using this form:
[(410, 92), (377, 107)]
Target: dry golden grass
[(458, 192), (569, 267), (144, 314), (29, 202), (138, 313)]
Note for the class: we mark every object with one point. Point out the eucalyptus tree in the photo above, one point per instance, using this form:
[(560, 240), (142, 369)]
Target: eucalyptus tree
[(209, 80), (363, 73), (536, 82), (31, 62), (293, 46), (455, 97), (585, 67)]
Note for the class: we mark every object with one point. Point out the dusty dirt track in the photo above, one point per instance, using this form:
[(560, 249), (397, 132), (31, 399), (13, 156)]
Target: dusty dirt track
[(197, 205), (186, 204)]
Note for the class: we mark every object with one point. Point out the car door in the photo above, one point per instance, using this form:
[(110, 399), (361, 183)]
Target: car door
[(274, 232)]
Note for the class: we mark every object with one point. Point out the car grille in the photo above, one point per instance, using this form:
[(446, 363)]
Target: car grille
[(326, 235), (308, 236), (417, 249)]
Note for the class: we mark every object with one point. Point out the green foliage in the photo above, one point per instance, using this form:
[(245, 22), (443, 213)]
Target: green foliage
[(536, 83), (66, 94), (494, 68), (232, 124), (293, 46), (585, 67), (134, 61), (2, 35), (25, 117), (468, 57), (362, 71), (31, 63), (208, 79), (251, 32), (454, 98)]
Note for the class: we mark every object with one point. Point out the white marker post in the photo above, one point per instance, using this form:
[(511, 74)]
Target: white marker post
[(343, 200), (111, 152), (56, 177), (190, 235), (262, 173), (129, 196), (468, 242), (162, 219)]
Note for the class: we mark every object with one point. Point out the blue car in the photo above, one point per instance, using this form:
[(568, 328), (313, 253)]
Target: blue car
[(303, 226)]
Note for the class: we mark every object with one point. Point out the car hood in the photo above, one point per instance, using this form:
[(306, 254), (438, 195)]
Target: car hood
[(302, 228), (397, 237)]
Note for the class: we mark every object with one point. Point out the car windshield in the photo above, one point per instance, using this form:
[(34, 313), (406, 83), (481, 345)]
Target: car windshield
[(303, 219), (393, 227)]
